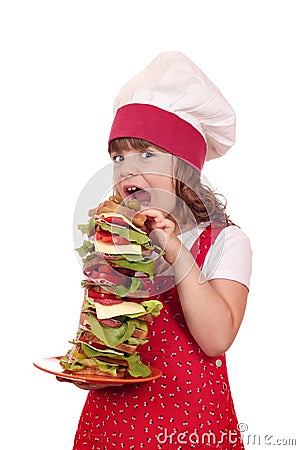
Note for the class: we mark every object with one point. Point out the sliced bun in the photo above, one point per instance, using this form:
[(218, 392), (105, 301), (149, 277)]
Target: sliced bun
[(121, 373), (140, 334), (126, 348), (137, 219)]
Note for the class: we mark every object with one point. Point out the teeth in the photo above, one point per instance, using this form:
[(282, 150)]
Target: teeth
[(132, 189)]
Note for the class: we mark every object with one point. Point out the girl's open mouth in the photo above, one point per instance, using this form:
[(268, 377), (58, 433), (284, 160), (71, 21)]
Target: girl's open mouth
[(141, 195)]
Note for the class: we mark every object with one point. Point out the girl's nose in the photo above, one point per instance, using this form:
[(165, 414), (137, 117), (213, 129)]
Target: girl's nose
[(128, 172), (128, 167)]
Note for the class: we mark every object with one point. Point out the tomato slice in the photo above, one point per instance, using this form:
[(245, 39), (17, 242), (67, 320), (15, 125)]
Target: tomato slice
[(106, 236), (104, 298), (93, 294), (116, 221)]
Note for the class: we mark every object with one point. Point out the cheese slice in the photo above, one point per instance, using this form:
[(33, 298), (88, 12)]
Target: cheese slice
[(120, 216), (121, 249), (120, 309)]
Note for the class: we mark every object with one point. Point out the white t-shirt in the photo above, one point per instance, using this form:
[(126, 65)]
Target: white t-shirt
[(229, 257)]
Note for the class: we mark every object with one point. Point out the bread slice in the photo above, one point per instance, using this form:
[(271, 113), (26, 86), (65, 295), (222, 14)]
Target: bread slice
[(126, 348), (121, 372), (137, 219)]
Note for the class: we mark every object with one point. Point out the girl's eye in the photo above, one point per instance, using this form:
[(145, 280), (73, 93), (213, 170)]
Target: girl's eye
[(118, 158), (147, 154)]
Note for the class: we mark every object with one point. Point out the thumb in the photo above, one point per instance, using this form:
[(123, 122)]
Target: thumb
[(158, 237), (62, 379)]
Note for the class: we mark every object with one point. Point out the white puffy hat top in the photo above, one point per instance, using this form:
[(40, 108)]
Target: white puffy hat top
[(173, 104)]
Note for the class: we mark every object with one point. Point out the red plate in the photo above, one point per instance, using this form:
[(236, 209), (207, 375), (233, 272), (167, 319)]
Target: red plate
[(51, 365)]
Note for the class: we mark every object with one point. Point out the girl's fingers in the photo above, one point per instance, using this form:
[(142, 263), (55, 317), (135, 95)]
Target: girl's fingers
[(63, 380), (94, 387), (154, 214), (86, 385), (156, 219)]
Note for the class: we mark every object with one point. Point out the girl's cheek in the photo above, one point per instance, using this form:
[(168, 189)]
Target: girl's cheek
[(118, 188), (116, 175)]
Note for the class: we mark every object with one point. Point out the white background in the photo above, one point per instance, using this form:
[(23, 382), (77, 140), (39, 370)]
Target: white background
[(63, 62)]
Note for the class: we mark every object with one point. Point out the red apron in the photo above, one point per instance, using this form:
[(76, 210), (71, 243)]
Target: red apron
[(190, 406)]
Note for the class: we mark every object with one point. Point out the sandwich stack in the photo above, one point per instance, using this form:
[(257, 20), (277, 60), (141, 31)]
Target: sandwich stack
[(116, 311)]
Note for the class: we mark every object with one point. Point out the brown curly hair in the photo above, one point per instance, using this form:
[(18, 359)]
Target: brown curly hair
[(205, 204)]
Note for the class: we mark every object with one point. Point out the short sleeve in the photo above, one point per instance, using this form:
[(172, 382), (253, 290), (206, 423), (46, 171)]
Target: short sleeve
[(230, 257)]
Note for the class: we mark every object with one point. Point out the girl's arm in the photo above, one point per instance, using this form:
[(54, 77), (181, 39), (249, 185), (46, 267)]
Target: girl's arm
[(213, 309)]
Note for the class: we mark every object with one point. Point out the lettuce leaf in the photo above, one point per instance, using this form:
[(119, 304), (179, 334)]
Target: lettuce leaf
[(112, 337), (135, 366), (127, 233), (87, 247), (155, 248), (140, 324), (151, 306), (133, 257), (136, 341), (89, 362), (89, 303), (91, 351), (87, 228), (121, 290), (145, 266)]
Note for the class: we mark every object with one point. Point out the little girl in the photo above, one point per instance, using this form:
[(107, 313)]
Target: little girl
[(169, 119)]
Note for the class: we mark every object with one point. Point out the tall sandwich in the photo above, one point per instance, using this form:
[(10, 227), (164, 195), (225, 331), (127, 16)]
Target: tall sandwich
[(114, 319)]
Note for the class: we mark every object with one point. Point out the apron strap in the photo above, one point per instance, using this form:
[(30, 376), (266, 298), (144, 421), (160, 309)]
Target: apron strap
[(203, 243)]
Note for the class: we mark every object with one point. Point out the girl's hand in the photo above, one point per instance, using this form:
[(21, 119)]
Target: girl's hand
[(87, 386), (162, 232)]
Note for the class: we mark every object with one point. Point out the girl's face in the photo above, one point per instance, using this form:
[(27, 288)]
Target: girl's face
[(147, 176)]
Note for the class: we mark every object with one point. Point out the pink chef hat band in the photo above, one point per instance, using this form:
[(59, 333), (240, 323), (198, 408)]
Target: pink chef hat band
[(161, 128)]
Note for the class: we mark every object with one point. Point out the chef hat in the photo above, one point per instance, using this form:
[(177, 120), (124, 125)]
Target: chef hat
[(173, 105)]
